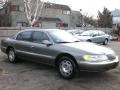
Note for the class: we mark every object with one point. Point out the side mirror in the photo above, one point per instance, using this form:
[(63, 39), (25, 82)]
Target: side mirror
[(47, 42)]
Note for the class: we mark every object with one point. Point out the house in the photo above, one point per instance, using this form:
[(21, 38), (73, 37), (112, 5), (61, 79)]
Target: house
[(116, 16), (116, 19), (52, 16), (5, 16), (76, 19)]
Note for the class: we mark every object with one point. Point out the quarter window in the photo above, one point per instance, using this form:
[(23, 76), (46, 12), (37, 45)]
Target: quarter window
[(24, 36)]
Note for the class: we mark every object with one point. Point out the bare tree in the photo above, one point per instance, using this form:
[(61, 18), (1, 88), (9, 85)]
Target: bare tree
[(2, 3), (33, 9)]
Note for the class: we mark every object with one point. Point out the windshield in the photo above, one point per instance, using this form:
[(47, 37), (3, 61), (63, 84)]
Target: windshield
[(87, 33), (75, 31), (61, 36)]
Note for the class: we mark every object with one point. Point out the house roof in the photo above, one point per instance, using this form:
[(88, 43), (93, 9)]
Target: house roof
[(49, 19), (57, 6)]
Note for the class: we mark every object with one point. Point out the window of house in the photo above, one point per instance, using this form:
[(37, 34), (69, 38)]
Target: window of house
[(65, 25), (22, 24), (61, 25), (66, 12), (58, 24), (14, 8)]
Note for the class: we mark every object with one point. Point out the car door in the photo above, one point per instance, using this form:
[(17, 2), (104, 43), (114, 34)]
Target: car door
[(95, 37), (41, 52), (22, 44), (102, 36)]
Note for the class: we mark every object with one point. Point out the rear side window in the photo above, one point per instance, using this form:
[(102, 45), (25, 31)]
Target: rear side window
[(38, 37), (24, 36), (95, 33), (101, 33)]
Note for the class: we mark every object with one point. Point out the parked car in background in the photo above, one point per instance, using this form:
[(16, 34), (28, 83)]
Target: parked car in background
[(60, 49), (113, 38), (95, 36)]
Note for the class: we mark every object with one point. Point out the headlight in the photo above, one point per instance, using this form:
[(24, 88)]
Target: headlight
[(95, 57)]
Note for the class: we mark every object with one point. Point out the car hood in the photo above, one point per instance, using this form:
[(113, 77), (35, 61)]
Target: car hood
[(91, 48)]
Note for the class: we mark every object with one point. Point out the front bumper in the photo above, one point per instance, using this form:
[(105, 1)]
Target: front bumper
[(98, 66)]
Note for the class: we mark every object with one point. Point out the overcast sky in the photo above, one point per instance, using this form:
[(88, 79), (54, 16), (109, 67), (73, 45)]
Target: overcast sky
[(91, 6)]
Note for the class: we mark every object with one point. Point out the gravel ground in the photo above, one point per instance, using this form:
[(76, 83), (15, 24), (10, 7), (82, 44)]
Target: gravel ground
[(32, 76)]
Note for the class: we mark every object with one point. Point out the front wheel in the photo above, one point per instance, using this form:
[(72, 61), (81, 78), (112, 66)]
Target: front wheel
[(66, 67), (11, 55)]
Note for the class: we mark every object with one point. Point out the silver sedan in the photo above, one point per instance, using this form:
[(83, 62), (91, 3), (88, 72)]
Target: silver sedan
[(60, 49)]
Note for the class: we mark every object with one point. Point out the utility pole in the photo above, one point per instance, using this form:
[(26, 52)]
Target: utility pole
[(82, 16)]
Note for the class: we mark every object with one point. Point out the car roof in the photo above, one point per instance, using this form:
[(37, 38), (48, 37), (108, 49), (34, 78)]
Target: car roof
[(75, 30), (37, 29), (94, 30), (41, 29)]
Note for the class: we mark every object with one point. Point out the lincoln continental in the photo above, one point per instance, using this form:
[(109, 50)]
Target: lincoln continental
[(60, 49)]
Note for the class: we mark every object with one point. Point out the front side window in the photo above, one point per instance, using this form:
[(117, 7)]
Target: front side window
[(39, 37), (24, 36)]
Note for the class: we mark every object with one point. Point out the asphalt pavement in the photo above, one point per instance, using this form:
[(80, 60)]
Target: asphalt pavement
[(33, 76)]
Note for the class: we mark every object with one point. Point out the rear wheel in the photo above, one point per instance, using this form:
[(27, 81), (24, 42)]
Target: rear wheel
[(105, 42), (89, 40), (66, 67), (11, 55)]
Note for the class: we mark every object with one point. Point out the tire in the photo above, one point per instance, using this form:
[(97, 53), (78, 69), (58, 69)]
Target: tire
[(11, 55), (105, 42), (89, 40), (66, 67)]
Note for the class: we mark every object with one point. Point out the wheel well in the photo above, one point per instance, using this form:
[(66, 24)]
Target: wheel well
[(8, 48), (65, 54), (89, 40), (106, 38)]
